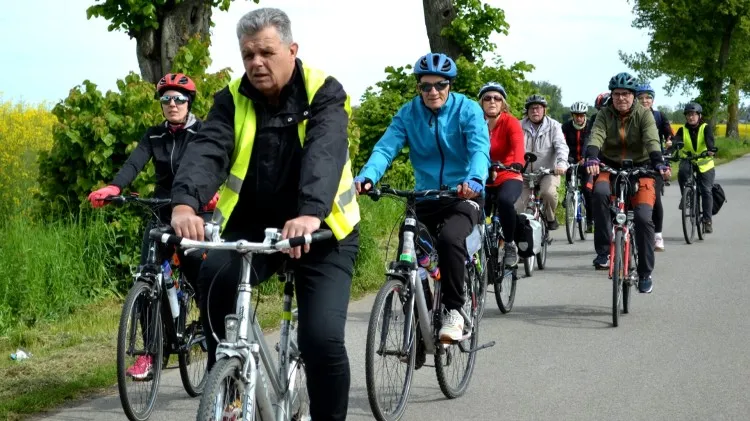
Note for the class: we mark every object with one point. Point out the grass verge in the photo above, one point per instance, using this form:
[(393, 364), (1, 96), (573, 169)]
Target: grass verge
[(74, 355)]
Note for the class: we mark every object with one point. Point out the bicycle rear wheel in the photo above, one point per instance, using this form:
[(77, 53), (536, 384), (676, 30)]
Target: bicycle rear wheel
[(193, 350), (454, 364), (570, 216), (385, 342), (541, 257), (617, 278), (688, 214), (139, 336)]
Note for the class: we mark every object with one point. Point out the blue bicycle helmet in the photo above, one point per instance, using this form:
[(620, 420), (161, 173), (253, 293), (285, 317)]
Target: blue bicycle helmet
[(435, 64), (493, 86), (623, 80), (645, 89)]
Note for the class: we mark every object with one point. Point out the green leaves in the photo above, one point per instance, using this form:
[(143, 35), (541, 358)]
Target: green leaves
[(473, 25)]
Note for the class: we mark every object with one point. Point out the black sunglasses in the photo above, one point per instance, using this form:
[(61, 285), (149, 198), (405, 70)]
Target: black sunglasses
[(488, 98), (439, 86), (178, 99)]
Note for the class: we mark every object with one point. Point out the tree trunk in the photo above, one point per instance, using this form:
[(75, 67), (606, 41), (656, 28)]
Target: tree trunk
[(733, 123), (156, 48), (718, 73), (437, 15)]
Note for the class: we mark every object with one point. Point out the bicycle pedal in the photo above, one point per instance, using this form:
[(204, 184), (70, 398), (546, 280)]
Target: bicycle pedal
[(481, 347)]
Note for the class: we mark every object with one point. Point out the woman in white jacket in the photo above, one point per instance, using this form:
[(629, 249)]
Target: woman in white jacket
[(544, 138)]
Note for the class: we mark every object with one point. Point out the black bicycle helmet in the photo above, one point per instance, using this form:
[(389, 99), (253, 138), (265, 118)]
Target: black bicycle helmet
[(535, 99), (693, 106)]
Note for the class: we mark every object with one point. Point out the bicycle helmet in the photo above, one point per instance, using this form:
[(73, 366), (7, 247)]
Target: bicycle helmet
[(693, 106), (602, 100), (579, 108), (178, 82), (435, 64), (623, 80), (535, 99), (492, 86), (645, 89)]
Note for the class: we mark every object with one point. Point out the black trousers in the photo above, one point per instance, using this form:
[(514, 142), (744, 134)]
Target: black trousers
[(658, 213), (502, 200), (457, 218), (323, 280)]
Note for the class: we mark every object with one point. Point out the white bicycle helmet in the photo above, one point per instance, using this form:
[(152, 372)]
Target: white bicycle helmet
[(579, 108)]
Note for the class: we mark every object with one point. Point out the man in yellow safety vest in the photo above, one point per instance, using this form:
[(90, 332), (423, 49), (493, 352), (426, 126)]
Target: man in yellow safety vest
[(276, 142)]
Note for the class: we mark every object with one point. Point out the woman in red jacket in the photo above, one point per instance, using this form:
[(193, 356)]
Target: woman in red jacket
[(506, 147)]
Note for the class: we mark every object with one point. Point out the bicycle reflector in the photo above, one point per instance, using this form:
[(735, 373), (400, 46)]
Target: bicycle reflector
[(232, 327), (621, 218)]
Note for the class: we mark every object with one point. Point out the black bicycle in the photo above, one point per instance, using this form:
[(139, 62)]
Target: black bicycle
[(398, 337), (503, 278), (692, 211), (159, 318)]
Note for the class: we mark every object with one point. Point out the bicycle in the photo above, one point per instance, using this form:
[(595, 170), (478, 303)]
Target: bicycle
[(692, 211), (534, 208), (503, 278), (162, 305), (237, 388), (623, 253), (419, 331), (575, 206)]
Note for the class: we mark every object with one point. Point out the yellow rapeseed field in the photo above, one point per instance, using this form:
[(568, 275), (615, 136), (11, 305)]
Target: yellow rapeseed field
[(24, 131), (721, 130)]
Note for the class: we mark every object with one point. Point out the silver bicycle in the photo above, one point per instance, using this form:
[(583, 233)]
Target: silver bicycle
[(237, 388)]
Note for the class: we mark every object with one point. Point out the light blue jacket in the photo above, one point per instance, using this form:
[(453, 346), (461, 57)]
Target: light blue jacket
[(447, 147)]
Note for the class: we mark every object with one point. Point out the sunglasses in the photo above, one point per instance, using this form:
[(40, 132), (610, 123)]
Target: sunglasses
[(488, 98), (178, 99), (439, 86)]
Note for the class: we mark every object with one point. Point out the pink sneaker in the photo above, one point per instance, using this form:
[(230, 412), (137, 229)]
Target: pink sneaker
[(141, 369)]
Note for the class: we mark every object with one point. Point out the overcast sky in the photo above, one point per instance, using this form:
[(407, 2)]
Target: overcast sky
[(49, 46)]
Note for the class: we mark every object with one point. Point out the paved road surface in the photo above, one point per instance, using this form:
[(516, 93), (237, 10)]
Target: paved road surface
[(682, 354)]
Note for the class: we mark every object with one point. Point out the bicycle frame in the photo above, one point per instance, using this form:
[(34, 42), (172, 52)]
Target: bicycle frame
[(574, 186), (622, 221), (534, 205)]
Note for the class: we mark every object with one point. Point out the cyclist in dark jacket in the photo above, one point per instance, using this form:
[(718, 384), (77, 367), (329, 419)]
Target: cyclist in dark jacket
[(165, 144), (645, 94), (577, 131)]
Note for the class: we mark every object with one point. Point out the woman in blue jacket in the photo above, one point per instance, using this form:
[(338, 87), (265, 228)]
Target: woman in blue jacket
[(448, 146)]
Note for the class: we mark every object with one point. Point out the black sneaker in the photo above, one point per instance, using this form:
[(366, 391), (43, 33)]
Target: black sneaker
[(601, 261), (707, 226), (552, 225), (646, 285)]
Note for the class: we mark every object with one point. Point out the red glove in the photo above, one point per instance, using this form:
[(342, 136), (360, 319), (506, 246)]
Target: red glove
[(212, 204), (96, 196)]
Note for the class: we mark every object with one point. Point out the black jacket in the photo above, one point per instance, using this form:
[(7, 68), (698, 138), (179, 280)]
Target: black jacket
[(576, 140), (284, 180), (167, 151)]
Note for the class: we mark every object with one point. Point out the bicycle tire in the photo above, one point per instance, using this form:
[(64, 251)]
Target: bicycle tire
[(441, 367), (381, 301), (627, 282), (570, 217), (698, 215), (528, 265), (225, 368), (687, 214), (481, 283), (617, 278), (128, 403), (496, 276), (541, 257), (583, 221), (192, 369)]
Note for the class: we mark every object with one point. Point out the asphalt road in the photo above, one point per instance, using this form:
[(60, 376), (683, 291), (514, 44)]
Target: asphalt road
[(683, 353)]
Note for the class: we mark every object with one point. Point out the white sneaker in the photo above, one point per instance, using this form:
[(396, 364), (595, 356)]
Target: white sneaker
[(453, 326), (658, 242)]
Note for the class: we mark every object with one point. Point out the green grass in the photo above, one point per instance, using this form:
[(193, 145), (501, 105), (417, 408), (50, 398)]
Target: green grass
[(73, 343)]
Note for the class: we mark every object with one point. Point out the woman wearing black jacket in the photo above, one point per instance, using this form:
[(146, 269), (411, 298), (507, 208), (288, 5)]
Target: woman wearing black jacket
[(166, 144)]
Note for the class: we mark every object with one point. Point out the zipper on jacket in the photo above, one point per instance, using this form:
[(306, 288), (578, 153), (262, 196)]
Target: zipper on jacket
[(440, 149), (171, 155), (622, 137)]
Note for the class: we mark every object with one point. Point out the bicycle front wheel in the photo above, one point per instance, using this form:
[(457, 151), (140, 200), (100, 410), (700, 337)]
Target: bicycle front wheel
[(570, 217), (139, 352), (617, 278), (224, 393), (193, 350), (388, 372), (688, 214), (583, 224), (698, 215)]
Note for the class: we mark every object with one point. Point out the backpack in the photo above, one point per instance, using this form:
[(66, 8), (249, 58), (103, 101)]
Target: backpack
[(719, 198)]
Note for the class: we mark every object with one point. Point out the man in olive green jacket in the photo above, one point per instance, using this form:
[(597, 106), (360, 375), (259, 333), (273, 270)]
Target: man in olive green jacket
[(624, 129)]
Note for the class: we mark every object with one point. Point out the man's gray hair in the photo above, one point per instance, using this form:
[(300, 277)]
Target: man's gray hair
[(260, 19)]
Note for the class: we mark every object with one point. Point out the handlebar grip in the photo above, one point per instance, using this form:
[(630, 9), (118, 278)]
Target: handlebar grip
[(165, 238), (304, 239), (118, 200)]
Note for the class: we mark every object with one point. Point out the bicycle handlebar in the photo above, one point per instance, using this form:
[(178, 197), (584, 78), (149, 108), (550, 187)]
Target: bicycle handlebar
[(631, 171), (376, 193), (268, 246), (499, 166), (690, 156), (121, 200)]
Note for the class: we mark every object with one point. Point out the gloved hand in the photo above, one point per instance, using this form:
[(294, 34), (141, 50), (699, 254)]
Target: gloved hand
[(470, 189), (592, 166), (96, 196), (211, 205), (363, 184), (665, 171)]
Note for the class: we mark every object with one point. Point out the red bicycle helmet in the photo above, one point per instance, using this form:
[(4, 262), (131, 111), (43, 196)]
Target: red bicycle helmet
[(177, 81)]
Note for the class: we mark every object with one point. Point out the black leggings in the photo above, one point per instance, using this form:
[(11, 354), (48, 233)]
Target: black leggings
[(503, 198)]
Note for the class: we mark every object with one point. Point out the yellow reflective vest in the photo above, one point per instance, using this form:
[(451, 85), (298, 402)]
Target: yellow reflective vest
[(344, 213), (704, 164)]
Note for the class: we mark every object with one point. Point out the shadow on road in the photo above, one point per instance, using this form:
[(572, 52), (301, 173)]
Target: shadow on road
[(565, 316)]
